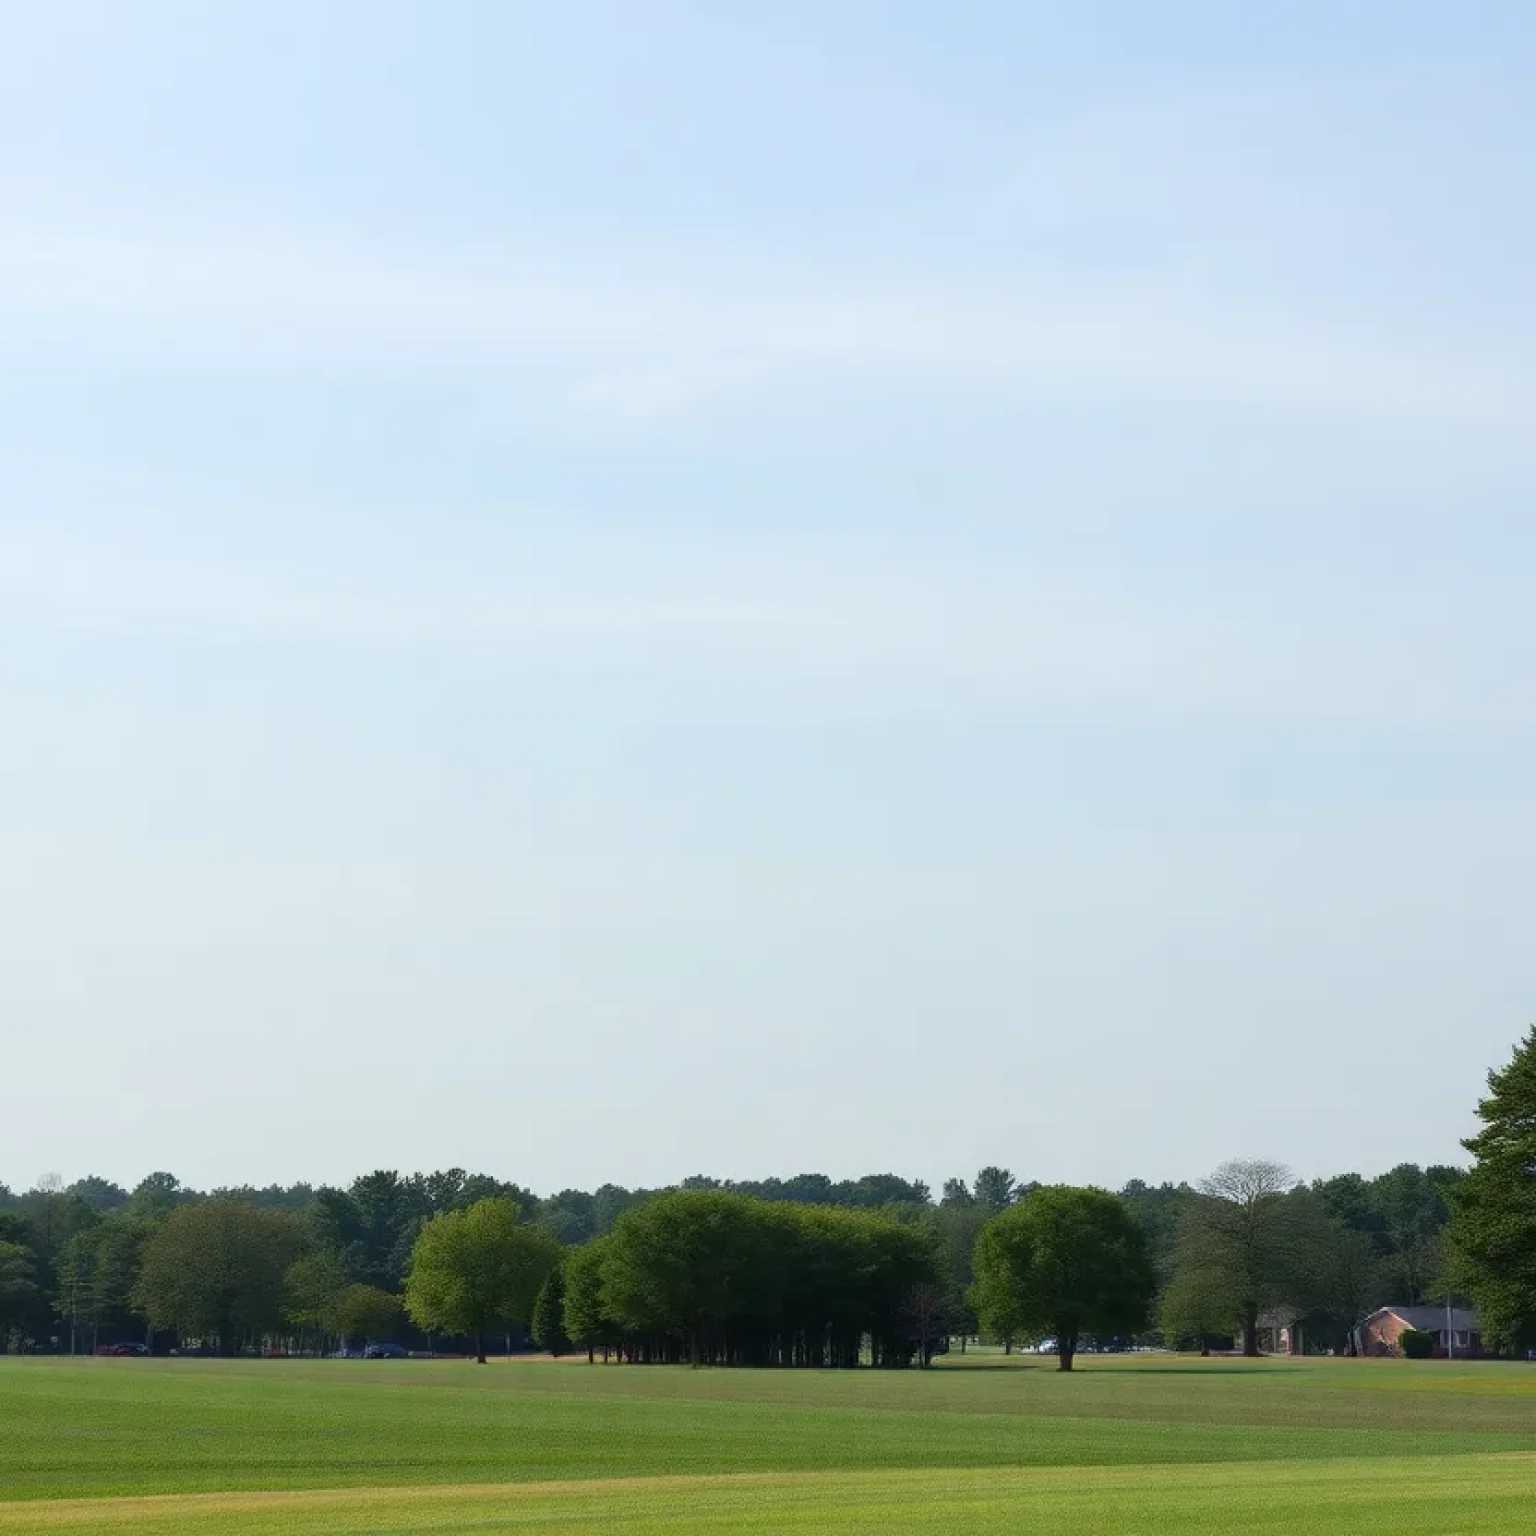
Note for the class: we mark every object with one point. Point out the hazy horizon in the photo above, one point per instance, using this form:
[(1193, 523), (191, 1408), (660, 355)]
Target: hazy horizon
[(608, 592), (935, 1184)]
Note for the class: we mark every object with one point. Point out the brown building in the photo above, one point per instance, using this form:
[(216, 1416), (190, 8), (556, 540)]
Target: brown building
[(1456, 1330)]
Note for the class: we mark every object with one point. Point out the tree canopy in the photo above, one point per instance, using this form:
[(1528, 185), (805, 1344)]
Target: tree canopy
[(549, 1313), (1493, 1228), (1066, 1263), (476, 1269), (711, 1277), (1239, 1241), (218, 1270), (807, 1259)]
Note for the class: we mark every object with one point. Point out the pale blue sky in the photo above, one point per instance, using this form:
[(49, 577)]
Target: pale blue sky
[(607, 591)]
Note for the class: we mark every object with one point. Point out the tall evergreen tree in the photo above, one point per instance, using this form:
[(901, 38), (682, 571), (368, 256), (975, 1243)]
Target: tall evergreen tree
[(1493, 1224), (549, 1314), (996, 1188)]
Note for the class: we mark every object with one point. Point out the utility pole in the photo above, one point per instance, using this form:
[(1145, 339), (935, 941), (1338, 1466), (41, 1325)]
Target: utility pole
[(1450, 1331)]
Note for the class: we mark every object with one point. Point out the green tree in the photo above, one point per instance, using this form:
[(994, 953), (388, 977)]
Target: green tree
[(1065, 1262), (928, 1307), (688, 1265), (571, 1215), (157, 1195), (365, 1312), (1158, 1207), (100, 1194), (18, 1289), (609, 1202), (549, 1313), (1415, 1213), (1493, 1225), (587, 1323), (99, 1270), (217, 1269), (475, 1268), (1346, 1281), (996, 1189), (957, 1226), (1194, 1308), (388, 1212), (311, 1289), (1239, 1239)]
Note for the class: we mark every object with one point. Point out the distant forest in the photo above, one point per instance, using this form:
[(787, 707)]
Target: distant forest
[(72, 1256)]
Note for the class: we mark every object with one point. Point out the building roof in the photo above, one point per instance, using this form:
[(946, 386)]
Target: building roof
[(1432, 1319), (1280, 1317)]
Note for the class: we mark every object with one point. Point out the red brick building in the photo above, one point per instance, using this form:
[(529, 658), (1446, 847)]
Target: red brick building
[(1456, 1330)]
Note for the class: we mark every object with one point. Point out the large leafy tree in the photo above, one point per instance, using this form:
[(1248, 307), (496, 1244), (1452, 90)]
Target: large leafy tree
[(18, 1288), (714, 1277), (99, 1270), (157, 1195), (571, 1215), (1346, 1281), (387, 1211), (688, 1265), (1241, 1241), (218, 1269), (311, 1289), (474, 1269), (957, 1226), (1493, 1225), (1066, 1262), (366, 1313), (587, 1322), (549, 1314), (1193, 1309), (1158, 1207), (101, 1194)]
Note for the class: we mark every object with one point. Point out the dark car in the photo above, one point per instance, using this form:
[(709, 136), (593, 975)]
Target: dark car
[(126, 1349), (384, 1352)]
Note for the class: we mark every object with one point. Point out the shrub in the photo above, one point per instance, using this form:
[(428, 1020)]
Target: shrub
[(1416, 1345)]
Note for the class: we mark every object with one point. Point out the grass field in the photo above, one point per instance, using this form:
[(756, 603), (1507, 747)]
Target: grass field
[(1147, 1444)]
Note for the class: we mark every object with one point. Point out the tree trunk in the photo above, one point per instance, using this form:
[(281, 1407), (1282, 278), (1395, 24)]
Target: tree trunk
[(1066, 1350), (1251, 1332), (479, 1349), (1205, 1346)]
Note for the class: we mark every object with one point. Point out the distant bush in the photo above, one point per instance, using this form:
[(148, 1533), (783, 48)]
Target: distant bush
[(1416, 1345)]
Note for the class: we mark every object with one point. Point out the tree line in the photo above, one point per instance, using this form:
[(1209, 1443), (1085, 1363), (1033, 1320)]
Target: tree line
[(804, 1271)]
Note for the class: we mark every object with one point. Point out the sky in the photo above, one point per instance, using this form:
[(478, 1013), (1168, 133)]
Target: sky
[(607, 591)]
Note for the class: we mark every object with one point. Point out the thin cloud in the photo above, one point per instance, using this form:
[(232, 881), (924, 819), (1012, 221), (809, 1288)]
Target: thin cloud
[(1091, 642), (642, 347)]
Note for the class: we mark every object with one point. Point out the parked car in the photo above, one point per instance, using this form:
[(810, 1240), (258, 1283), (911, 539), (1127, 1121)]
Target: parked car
[(126, 1349), (347, 1354), (384, 1352)]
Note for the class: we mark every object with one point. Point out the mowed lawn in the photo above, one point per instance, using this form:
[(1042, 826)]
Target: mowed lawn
[(1148, 1444)]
